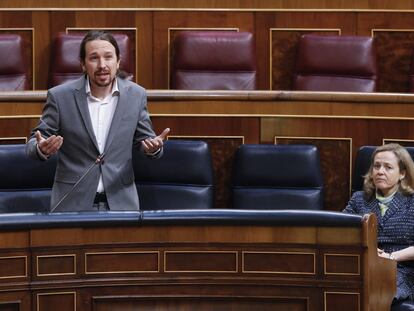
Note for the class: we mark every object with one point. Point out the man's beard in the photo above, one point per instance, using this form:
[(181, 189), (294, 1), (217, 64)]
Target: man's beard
[(103, 84)]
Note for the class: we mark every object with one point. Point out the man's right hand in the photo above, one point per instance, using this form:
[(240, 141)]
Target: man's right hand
[(50, 145)]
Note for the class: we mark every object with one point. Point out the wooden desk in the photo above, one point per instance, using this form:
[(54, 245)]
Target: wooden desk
[(338, 123), (196, 260)]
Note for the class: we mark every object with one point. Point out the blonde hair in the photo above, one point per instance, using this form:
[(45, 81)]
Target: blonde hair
[(405, 164)]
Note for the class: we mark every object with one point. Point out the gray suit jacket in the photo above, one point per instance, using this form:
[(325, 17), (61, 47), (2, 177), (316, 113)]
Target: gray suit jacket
[(66, 113)]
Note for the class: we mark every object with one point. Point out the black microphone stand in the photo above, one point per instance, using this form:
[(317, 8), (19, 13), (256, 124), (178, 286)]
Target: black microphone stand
[(99, 160)]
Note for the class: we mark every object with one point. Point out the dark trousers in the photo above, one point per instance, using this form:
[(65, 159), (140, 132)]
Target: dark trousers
[(100, 203)]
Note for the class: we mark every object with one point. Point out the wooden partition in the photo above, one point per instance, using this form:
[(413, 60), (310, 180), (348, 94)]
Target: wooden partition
[(337, 123), (276, 26), (277, 263)]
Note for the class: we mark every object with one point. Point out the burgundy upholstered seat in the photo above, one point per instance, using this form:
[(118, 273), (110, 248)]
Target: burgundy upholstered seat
[(213, 60), (65, 65), (336, 63), (13, 70)]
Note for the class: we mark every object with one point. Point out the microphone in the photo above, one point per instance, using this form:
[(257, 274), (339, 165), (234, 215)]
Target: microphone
[(99, 160)]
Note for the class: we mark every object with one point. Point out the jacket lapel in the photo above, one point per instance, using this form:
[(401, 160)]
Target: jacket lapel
[(374, 207), (398, 202), (120, 111), (82, 104)]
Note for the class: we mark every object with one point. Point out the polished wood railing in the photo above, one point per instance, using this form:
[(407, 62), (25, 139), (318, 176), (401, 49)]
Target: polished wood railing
[(187, 260)]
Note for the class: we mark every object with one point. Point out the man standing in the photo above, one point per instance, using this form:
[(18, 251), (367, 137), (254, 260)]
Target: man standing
[(93, 123)]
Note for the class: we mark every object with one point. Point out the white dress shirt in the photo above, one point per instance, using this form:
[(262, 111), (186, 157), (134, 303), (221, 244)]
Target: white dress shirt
[(101, 113)]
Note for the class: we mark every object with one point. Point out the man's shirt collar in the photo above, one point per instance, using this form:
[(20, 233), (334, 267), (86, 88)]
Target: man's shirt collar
[(114, 92)]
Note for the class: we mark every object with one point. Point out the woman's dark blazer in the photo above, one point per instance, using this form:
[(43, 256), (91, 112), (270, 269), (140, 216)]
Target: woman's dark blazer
[(395, 232)]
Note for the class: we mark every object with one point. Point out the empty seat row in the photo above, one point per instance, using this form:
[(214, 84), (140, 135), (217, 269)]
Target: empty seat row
[(265, 177), (226, 60), (209, 60), (201, 60)]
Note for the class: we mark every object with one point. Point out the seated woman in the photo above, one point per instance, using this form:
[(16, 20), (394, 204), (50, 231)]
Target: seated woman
[(388, 193)]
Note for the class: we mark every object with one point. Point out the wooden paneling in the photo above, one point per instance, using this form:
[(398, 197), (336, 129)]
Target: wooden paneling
[(17, 300), (297, 263), (201, 262), (42, 48), (13, 266), (393, 33), (51, 301), (121, 262), (13, 128), (61, 264), (402, 142), (9, 306), (14, 239), (13, 140), (226, 266), (145, 49), (395, 56), (342, 301), (245, 4), (201, 304), (342, 264)]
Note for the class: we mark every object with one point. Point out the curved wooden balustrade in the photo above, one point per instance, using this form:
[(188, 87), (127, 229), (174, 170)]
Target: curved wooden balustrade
[(199, 259)]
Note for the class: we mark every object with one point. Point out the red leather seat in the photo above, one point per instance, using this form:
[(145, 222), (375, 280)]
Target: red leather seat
[(213, 60), (336, 63), (65, 64), (13, 70)]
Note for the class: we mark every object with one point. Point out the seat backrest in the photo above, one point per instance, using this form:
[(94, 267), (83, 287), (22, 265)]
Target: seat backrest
[(13, 70), (277, 177), (336, 63), (213, 60), (25, 184), (181, 179), (65, 64), (362, 164)]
